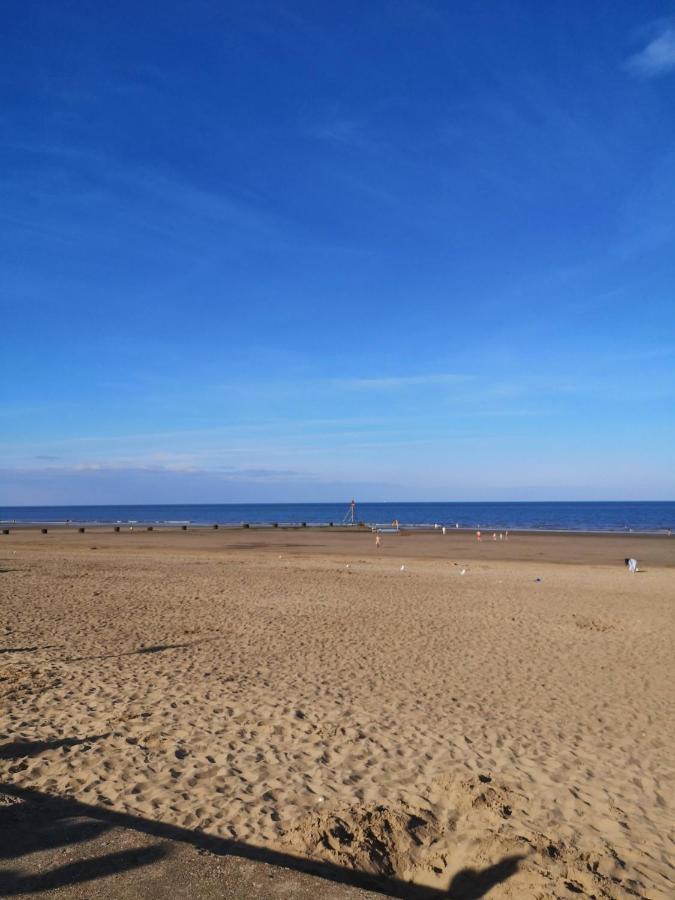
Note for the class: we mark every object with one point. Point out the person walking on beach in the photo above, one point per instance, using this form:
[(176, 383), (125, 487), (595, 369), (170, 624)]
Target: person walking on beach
[(377, 540), (478, 535)]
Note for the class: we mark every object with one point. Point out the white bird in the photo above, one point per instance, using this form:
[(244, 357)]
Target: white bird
[(402, 568), (462, 572)]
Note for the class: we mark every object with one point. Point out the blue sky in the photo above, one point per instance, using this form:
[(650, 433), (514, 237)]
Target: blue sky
[(304, 251)]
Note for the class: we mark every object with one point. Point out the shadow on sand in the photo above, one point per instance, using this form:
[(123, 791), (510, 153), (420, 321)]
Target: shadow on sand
[(156, 648), (26, 649), (32, 826), (31, 821), (22, 749)]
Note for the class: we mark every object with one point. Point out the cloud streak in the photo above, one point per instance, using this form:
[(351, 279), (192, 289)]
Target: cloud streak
[(110, 484), (657, 58), (401, 381), (110, 468)]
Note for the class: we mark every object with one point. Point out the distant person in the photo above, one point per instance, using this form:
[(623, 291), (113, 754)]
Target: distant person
[(377, 540), (632, 564), (444, 529), (494, 535), (478, 535)]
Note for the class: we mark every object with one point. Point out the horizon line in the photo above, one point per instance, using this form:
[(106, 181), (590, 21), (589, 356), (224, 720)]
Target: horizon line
[(311, 503)]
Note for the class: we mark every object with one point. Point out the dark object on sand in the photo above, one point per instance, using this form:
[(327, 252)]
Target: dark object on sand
[(81, 530), (117, 527), (215, 526), (5, 530), (150, 528), (183, 527), (43, 530)]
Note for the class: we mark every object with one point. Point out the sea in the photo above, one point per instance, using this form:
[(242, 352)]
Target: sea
[(619, 516)]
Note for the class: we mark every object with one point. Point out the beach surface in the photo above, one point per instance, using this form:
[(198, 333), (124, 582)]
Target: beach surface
[(442, 716)]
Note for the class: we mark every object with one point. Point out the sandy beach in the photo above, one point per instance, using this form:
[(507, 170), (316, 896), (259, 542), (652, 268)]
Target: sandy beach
[(420, 711)]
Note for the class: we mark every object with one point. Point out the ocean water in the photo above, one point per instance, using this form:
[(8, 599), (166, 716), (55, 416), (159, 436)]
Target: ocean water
[(562, 516)]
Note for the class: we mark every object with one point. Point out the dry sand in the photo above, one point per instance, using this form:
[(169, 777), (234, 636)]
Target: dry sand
[(299, 691)]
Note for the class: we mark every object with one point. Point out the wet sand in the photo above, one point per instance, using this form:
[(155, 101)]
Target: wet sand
[(300, 691)]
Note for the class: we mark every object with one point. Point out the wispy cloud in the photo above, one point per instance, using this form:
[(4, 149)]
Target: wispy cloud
[(229, 473), (116, 471), (119, 185), (400, 381), (146, 484), (343, 129), (657, 58), (339, 131), (110, 196)]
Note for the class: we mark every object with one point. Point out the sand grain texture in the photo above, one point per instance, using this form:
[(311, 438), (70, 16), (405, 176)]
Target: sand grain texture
[(416, 724)]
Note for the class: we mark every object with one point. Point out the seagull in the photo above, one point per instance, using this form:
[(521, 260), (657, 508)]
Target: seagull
[(402, 568)]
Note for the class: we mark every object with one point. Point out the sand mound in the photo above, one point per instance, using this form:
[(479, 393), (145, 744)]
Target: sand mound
[(383, 840), (469, 837)]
